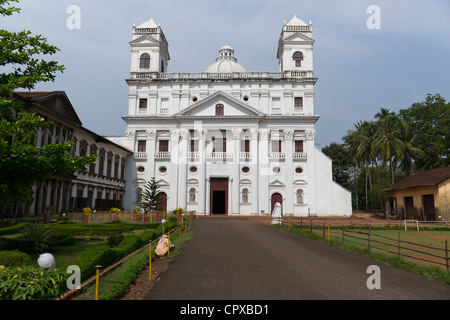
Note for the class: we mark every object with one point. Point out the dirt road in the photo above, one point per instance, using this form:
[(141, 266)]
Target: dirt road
[(240, 259)]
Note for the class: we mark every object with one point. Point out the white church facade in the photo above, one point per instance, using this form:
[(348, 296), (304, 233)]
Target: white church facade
[(227, 140)]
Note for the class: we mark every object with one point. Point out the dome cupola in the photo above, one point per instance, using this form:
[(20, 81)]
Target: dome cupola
[(226, 62)]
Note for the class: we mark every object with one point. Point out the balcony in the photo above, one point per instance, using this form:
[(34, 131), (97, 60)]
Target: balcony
[(299, 156), (140, 155), (277, 156), (245, 155), (193, 156), (219, 155), (162, 155)]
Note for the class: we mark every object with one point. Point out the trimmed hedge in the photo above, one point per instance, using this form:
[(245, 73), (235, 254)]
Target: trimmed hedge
[(105, 256), (14, 258)]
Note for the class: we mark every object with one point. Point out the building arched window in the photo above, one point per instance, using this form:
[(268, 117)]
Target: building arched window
[(298, 58), (245, 195), (219, 109), (192, 195), (138, 195), (144, 61), (299, 196)]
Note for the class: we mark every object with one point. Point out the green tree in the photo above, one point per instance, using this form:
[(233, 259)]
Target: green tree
[(149, 200), (388, 137), (21, 163), (429, 121), (340, 163)]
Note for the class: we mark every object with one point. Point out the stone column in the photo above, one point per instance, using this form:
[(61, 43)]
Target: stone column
[(182, 170), (254, 192), (151, 149), (288, 205), (263, 171), (235, 185), (311, 171), (174, 166), (201, 171)]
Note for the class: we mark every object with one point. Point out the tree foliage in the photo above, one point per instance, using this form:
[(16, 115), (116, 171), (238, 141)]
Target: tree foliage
[(150, 196), (23, 65), (377, 153)]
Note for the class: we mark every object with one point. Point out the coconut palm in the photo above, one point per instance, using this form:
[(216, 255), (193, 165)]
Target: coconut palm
[(409, 151), (388, 137)]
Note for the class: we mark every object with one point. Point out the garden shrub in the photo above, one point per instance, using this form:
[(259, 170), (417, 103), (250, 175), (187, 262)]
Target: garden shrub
[(114, 240), (12, 229), (31, 283), (14, 258), (128, 245)]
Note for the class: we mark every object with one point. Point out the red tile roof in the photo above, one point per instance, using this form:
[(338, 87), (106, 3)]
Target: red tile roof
[(421, 179), (35, 95)]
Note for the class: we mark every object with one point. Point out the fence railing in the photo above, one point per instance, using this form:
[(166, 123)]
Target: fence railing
[(369, 238), (125, 216)]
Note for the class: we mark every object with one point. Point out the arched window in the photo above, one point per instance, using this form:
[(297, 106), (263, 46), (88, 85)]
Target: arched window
[(245, 195), (299, 196), (138, 195), (219, 109), (101, 162), (298, 58), (144, 61), (192, 195)]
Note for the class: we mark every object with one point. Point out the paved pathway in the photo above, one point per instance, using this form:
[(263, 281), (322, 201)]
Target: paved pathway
[(241, 259)]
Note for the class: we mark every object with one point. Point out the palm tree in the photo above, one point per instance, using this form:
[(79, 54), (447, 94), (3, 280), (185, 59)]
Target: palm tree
[(388, 133), (360, 145), (409, 151)]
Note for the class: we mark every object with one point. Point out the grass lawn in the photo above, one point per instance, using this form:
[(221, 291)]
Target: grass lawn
[(116, 281), (64, 255)]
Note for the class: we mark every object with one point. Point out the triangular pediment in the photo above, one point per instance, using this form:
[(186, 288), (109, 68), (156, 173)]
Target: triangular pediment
[(145, 40), (232, 107), (276, 183), (55, 102), (299, 37)]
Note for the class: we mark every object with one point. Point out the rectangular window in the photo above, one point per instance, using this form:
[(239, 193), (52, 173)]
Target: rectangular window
[(276, 145), (298, 146), (163, 146), (298, 103), (220, 144), (142, 103), (245, 145), (142, 145), (276, 105), (194, 146)]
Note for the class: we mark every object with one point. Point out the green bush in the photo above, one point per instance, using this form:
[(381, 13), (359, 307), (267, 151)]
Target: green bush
[(114, 240), (31, 283), (13, 229), (14, 258)]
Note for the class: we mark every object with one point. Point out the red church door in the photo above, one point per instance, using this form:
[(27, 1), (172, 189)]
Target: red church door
[(219, 195), (162, 201), (276, 197)]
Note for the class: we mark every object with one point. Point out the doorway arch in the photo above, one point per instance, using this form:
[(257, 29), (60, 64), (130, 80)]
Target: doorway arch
[(162, 201), (276, 197)]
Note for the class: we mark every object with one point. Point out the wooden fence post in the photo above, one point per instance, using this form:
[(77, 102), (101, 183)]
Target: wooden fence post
[(446, 253), (399, 244)]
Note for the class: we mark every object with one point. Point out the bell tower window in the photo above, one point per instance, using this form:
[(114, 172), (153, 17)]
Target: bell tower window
[(298, 58), (144, 61)]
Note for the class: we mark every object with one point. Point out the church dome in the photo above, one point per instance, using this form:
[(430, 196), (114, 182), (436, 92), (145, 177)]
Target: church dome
[(296, 22), (226, 62)]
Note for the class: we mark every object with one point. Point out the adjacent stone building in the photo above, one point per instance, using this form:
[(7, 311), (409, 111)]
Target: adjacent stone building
[(101, 185)]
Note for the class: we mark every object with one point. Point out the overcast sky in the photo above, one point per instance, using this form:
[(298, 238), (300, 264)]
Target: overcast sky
[(359, 70)]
